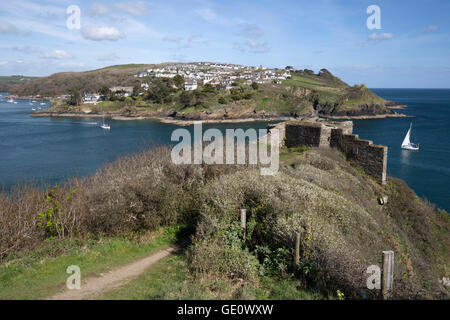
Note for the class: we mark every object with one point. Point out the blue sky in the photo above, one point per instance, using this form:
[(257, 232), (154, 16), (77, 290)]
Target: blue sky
[(411, 50)]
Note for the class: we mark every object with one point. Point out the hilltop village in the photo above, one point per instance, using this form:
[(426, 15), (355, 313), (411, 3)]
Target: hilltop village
[(223, 76)]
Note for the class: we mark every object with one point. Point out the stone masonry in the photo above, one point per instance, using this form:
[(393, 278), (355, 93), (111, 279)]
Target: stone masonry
[(371, 158)]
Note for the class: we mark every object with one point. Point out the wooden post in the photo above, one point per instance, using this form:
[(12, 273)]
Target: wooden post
[(387, 276), (297, 248), (244, 221)]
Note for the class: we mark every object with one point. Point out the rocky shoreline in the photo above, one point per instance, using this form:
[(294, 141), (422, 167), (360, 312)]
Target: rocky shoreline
[(180, 121), (367, 117)]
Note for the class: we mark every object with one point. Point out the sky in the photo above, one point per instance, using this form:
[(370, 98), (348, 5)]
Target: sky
[(411, 48)]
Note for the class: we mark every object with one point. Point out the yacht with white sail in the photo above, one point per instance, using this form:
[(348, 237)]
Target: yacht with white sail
[(104, 125), (407, 144)]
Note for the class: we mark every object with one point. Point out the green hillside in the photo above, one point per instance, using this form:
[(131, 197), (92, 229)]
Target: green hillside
[(305, 93)]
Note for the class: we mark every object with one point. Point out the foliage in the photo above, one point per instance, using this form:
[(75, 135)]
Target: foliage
[(179, 81), (274, 261), (340, 295), (51, 219), (75, 97), (335, 209)]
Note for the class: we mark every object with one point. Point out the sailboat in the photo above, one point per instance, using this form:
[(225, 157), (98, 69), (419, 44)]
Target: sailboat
[(104, 125), (407, 144)]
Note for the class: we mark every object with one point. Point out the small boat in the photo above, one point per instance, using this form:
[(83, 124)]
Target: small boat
[(42, 103), (407, 144), (33, 109), (34, 101), (104, 125), (10, 101)]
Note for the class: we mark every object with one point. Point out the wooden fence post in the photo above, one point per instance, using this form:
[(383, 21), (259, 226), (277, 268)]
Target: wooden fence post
[(387, 276), (244, 221), (297, 248)]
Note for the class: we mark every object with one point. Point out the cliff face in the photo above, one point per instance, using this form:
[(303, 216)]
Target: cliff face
[(351, 102), (363, 109)]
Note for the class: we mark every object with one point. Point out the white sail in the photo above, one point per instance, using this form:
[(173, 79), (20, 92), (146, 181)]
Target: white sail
[(406, 141)]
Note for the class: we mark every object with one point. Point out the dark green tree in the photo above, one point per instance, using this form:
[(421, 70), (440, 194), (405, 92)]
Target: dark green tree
[(105, 92), (137, 90), (255, 86), (209, 88), (75, 97), (179, 81), (185, 99)]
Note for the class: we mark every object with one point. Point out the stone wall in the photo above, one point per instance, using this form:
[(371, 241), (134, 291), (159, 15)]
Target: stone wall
[(371, 158), (281, 127), (306, 134)]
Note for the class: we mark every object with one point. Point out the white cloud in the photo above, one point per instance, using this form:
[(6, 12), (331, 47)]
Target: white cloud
[(57, 54), (430, 29), (380, 36), (99, 33), (8, 28), (252, 46), (134, 8)]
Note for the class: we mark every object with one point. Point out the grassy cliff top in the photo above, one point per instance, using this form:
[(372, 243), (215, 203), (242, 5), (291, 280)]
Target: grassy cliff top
[(332, 204)]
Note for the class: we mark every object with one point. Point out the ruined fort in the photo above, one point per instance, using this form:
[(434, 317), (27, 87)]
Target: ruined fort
[(324, 134)]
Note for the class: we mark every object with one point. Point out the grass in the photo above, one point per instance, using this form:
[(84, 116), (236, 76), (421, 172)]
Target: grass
[(289, 153), (169, 279), (299, 81), (124, 66), (43, 272)]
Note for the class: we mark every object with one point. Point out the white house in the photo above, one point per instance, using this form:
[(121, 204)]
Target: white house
[(190, 85), (91, 98)]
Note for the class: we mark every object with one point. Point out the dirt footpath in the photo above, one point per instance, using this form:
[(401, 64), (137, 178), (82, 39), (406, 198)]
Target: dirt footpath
[(113, 279)]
